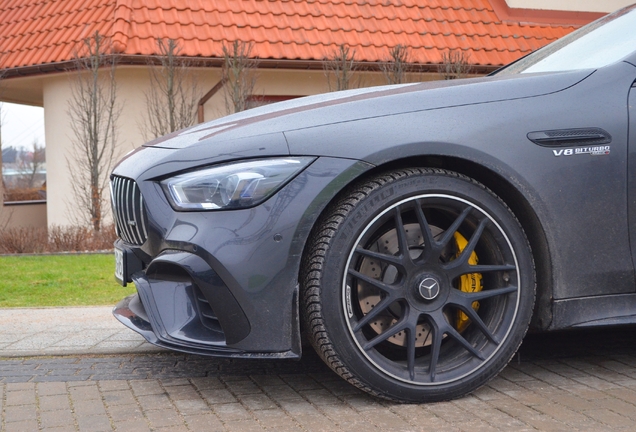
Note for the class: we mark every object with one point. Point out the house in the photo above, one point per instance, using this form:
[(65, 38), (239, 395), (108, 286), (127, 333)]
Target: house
[(290, 38)]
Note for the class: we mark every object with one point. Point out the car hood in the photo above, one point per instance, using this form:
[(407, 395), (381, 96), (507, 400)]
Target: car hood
[(346, 106)]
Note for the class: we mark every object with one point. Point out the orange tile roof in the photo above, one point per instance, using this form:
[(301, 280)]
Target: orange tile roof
[(41, 32)]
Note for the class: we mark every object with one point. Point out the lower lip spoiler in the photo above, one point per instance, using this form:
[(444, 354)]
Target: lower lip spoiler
[(131, 312)]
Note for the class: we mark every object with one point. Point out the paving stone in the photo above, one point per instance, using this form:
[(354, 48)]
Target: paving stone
[(320, 397), (54, 403), (276, 420), (268, 380), (21, 426), (191, 406), (89, 407), (122, 413), (19, 397), (20, 387), (146, 387), (243, 426), (609, 418), (298, 408), (50, 389), (85, 392), (215, 396), (119, 397), (112, 385), (204, 422), (96, 423), (626, 394), (166, 417), (361, 402), (450, 412), (19, 413), (182, 392), (257, 402), (208, 383), (384, 419), (68, 428), (50, 419), (243, 387), (175, 382), (153, 402), (138, 425), (231, 412)]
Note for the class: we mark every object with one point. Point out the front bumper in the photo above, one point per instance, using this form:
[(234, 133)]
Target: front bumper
[(226, 283)]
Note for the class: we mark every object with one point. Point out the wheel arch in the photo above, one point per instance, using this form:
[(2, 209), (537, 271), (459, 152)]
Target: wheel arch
[(502, 187)]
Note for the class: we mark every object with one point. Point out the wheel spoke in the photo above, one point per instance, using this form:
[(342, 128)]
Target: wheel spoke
[(448, 234), (401, 234), (481, 295), (470, 247), (399, 326), (390, 259), (425, 228), (371, 281), (476, 319), (490, 268), (436, 345), (459, 265), (411, 332), (374, 312), (450, 331), (454, 270)]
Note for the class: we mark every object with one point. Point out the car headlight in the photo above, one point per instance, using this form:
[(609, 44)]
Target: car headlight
[(233, 185)]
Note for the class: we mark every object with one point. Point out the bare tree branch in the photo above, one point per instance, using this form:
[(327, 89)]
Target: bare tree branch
[(455, 64), (171, 102), (239, 74), (94, 111), (395, 69), (341, 70)]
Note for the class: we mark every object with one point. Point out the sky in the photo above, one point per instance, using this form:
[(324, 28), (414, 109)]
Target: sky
[(21, 125)]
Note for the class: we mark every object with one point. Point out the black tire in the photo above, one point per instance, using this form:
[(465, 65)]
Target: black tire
[(392, 299)]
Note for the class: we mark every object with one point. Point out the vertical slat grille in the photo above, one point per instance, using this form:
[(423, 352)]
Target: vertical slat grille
[(128, 210)]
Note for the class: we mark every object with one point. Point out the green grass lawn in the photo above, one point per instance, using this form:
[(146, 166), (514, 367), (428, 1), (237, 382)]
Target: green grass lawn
[(59, 280)]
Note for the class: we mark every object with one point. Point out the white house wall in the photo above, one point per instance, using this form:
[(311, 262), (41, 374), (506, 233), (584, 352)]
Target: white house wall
[(133, 83)]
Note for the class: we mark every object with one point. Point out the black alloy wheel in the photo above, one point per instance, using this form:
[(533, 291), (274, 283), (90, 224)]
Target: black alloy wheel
[(418, 285)]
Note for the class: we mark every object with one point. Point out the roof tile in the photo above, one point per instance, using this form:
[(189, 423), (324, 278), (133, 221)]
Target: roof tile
[(34, 32)]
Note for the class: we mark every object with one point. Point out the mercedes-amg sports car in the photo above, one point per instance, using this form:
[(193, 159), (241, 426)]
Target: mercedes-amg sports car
[(412, 233)]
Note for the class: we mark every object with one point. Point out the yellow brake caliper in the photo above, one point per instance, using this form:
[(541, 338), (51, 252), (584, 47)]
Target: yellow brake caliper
[(468, 282)]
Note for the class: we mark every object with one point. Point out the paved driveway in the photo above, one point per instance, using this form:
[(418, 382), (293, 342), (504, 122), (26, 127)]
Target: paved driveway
[(568, 381)]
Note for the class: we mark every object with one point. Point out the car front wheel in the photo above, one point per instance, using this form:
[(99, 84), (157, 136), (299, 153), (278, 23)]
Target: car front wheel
[(418, 285)]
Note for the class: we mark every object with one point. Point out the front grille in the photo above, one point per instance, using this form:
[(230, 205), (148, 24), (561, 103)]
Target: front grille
[(128, 210)]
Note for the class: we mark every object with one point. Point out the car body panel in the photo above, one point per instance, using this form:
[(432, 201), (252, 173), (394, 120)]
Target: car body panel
[(157, 162), (346, 106)]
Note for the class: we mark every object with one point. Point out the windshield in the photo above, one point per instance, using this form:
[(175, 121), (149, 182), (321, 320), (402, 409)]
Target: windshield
[(605, 41)]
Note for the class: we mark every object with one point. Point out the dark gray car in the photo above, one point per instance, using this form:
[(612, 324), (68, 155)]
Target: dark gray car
[(412, 233)]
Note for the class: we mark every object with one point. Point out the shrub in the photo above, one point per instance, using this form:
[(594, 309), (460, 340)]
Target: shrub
[(58, 239), (23, 240)]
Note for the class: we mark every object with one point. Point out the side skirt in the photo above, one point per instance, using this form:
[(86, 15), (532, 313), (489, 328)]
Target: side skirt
[(615, 309)]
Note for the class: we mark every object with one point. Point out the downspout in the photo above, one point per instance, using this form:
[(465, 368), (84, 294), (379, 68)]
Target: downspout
[(206, 97)]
